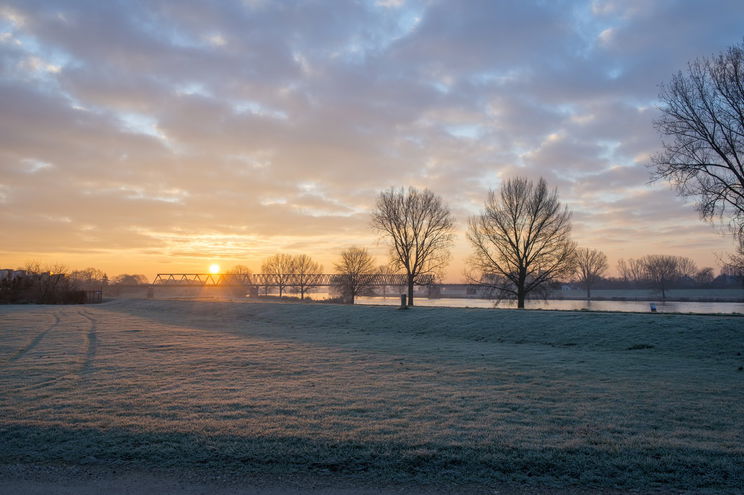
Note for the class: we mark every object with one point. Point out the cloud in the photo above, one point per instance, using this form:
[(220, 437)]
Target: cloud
[(179, 131)]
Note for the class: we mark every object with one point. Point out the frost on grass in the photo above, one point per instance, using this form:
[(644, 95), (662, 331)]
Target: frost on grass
[(428, 395)]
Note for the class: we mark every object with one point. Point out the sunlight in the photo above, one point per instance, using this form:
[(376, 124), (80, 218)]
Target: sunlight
[(214, 268)]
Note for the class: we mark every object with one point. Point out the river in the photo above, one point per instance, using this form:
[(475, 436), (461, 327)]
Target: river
[(571, 305)]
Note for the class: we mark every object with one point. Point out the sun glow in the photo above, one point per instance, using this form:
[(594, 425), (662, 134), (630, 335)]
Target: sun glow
[(214, 268)]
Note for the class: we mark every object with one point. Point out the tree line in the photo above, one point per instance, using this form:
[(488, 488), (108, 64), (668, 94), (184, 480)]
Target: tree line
[(521, 239), (300, 273), (521, 245)]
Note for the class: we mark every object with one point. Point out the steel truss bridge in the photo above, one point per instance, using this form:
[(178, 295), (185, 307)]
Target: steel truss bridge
[(279, 280)]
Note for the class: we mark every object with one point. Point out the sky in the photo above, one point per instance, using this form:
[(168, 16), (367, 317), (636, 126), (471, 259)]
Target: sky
[(159, 136)]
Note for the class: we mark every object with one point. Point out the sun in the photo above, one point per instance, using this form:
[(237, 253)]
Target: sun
[(214, 268)]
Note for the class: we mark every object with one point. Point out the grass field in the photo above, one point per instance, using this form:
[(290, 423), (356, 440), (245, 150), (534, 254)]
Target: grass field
[(431, 395)]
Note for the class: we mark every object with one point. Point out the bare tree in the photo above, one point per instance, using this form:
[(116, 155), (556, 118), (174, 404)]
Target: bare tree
[(127, 279), (88, 278), (33, 266), (52, 282), (736, 261), (307, 274), (631, 271), (686, 267), (663, 270), (419, 227), (355, 269), (521, 239), (703, 123), (239, 273), (240, 270), (704, 276), (590, 265), (279, 267)]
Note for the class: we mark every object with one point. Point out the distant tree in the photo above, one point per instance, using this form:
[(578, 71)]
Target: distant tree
[(733, 266), (686, 267), (355, 269), (32, 266), (590, 265), (702, 119), (240, 270), (279, 267), (88, 278), (663, 270), (306, 274), (704, 276), (419, 227), (521, 240), (737, 259), (129, 279), (631, 271), (51, 285)]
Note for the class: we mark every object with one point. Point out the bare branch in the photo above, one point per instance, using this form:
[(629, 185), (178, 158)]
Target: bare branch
[(419, 228), (521, 241)]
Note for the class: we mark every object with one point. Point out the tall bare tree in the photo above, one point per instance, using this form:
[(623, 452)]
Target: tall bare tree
[(702, 124), (419, 228), (521, 240), (306, 274), (663, 270), (590, 265), (355, 269), (280, 267)]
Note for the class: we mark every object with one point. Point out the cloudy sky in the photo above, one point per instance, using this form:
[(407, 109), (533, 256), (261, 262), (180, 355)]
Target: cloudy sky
[(162, 136)]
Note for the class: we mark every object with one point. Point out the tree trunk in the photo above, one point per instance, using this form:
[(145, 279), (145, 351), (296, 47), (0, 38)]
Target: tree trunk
[(520, 298), (588, 293), (520, 289), (410, 290)]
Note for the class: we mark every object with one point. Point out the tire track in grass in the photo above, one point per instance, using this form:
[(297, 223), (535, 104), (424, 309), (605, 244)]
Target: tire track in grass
[(48, 381), (18, 355), (90, 353)]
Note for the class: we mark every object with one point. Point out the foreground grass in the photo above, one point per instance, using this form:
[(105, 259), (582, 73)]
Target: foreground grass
[(431, 395)]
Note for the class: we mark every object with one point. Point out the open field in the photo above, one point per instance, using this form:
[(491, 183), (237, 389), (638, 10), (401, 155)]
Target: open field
[(431, 396)]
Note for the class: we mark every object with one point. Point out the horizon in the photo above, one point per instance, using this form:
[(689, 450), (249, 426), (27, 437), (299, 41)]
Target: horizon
[(168, 138)]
